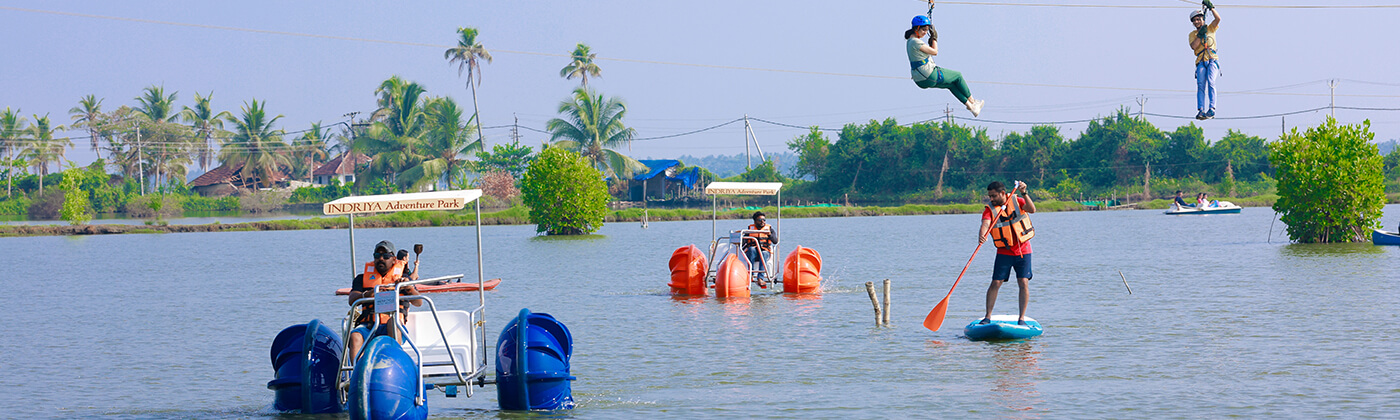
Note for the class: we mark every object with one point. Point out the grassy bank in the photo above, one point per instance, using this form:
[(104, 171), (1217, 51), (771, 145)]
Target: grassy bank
[(520, 215)]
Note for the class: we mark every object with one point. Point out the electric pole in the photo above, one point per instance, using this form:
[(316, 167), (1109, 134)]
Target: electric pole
[(748, 157), (140, 161), (1332, 84), (948, 113), (1142, 105)]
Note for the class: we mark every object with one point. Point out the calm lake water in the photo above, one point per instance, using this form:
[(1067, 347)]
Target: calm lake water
[(1221, 323)]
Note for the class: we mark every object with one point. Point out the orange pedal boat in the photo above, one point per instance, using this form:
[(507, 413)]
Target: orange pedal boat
[(732, 279), (688, 272), (802, 271)]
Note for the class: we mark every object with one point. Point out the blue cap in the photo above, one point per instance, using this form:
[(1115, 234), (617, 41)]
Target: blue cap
[(922, 20)]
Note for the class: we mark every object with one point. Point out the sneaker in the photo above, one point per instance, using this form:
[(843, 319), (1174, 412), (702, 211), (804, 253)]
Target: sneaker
[(985, 321), (1200, 115), (1210, 114), (975, 105), (762, 283)]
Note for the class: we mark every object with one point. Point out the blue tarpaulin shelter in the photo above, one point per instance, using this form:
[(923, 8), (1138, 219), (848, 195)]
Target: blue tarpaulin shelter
[(661, 168)]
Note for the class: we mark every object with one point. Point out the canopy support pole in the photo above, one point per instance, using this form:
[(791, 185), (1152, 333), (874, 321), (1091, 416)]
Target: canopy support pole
[(352, 245)]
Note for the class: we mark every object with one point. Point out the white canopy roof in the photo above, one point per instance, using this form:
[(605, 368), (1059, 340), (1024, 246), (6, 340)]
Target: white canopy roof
[(435, 200), (743, 188)]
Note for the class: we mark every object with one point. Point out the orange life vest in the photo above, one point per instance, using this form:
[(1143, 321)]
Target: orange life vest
[(763, 235), (371, 279), (1011, 226)]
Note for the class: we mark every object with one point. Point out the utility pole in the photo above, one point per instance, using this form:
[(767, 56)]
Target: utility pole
[(748, 157), (1142, 105), (1332, 84), (514, 130), (749, 134), (140, 162), (948, 113), (1283, 126)]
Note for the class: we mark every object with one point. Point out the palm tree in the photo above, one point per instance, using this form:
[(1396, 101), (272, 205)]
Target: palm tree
[(205, 123), (88, 114), (309, 150), (447, 141), (582, 66), (255, 145), (44, 148), (155, 104), (12, 130), (395, 141), (467, 54), (593, 125)]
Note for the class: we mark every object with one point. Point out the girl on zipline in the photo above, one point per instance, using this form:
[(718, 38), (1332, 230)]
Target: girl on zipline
[(926, 74)]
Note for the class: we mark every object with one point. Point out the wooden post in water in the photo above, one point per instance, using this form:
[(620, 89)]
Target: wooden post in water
[(870, 289), (887, 302), (1125, 282)]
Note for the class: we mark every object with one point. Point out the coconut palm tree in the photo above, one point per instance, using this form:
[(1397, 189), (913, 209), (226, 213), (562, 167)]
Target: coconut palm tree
[(205, 123), (13, 128), (155, 104), (468, 55), (88, 114), (395, 141), (448, 141), (582, 66), (255, 145), (43, 148), (590, 127), (309, 150)]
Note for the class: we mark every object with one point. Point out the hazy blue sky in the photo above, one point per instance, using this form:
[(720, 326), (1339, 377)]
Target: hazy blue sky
[(51, 60)]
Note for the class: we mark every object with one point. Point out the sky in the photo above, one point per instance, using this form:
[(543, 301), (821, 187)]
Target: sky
[(686, 66)]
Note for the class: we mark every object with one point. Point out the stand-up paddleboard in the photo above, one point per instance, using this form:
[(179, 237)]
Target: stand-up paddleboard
[(1002, 327)]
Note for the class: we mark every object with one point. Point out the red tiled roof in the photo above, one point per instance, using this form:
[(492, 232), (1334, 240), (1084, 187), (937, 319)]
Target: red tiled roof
[(341, 166), (224, 173)]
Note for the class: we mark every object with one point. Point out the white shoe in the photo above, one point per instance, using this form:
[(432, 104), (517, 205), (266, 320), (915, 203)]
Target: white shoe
[(975, 105)]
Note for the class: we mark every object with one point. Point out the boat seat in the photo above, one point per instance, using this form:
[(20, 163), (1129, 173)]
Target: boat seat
[(457, 326)]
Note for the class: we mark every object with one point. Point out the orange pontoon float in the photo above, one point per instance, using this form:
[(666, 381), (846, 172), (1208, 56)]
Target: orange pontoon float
[(691, 271)]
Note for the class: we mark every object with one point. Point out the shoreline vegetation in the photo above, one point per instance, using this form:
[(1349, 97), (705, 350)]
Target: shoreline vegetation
[(519, 215)]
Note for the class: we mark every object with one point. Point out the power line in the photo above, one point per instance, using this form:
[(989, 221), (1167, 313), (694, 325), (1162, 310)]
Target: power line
[(717, 66), (1143, 6)]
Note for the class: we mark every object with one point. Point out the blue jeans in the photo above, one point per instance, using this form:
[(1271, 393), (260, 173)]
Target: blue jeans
[(1205, 84), (756, 259)]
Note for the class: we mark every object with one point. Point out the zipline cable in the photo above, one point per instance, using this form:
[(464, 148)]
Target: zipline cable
[(698, 65)]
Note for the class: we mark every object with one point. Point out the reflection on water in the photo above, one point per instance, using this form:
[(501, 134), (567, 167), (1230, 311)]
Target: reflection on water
[(1017, 372), (1330, 250)]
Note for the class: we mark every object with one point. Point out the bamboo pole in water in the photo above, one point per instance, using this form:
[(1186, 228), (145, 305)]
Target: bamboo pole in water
[(887, 302), (870, 289)]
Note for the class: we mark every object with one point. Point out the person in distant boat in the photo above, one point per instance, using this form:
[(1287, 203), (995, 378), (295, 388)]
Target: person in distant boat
[(1180, 202), (1005, 219), (927, 75), (1202, 41), (386, 268), (759, 250)]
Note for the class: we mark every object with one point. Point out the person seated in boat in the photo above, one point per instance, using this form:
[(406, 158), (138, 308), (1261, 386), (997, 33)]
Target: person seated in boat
[(759, 248), (386, 267), (1180, 202)]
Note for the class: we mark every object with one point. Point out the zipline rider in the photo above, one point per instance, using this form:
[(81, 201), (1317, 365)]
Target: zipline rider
[(1011, 231), (1202, 41), (927, 75)]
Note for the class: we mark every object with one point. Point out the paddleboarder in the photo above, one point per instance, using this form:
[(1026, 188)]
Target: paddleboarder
[(1005, 218)]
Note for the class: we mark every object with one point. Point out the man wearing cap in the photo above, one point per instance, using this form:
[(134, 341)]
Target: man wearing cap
[(387, 267), (1202, 40)]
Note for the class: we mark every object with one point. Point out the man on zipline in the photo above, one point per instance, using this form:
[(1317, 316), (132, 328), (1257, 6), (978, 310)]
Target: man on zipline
[(1202, 41), (926, 74)]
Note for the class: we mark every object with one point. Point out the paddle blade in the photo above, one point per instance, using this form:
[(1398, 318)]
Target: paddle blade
[(934, 320)]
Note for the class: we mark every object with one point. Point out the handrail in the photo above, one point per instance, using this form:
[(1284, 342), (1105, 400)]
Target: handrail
[(452, 357)]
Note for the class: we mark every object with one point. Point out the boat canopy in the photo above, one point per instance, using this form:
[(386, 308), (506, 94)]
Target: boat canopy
[(743, 188), (385, 203)]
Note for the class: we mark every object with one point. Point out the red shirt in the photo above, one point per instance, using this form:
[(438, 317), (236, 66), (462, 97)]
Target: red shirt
[(1022, 249)]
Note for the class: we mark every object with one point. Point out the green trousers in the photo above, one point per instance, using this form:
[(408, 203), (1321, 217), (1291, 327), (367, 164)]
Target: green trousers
[(947, 79)]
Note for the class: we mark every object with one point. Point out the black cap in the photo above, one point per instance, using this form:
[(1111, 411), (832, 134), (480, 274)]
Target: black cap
[(385, 245)]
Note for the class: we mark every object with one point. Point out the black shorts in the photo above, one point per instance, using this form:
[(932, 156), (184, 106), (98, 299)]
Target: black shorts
[(1001, 269)]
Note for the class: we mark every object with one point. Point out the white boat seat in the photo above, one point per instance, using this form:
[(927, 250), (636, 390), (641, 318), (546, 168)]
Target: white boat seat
[(457, 326)]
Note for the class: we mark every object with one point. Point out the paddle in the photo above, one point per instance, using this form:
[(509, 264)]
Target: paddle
[(934, 320)]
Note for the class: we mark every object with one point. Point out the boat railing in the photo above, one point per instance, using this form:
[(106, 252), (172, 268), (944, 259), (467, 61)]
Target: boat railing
[(735, 241)]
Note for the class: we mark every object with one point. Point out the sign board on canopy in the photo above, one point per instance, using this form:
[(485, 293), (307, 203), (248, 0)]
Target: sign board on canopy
[(743, 188), (435, 200)]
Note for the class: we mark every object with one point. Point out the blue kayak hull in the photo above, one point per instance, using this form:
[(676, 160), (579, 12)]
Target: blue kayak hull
[(1380, 237), (1002, 327)]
